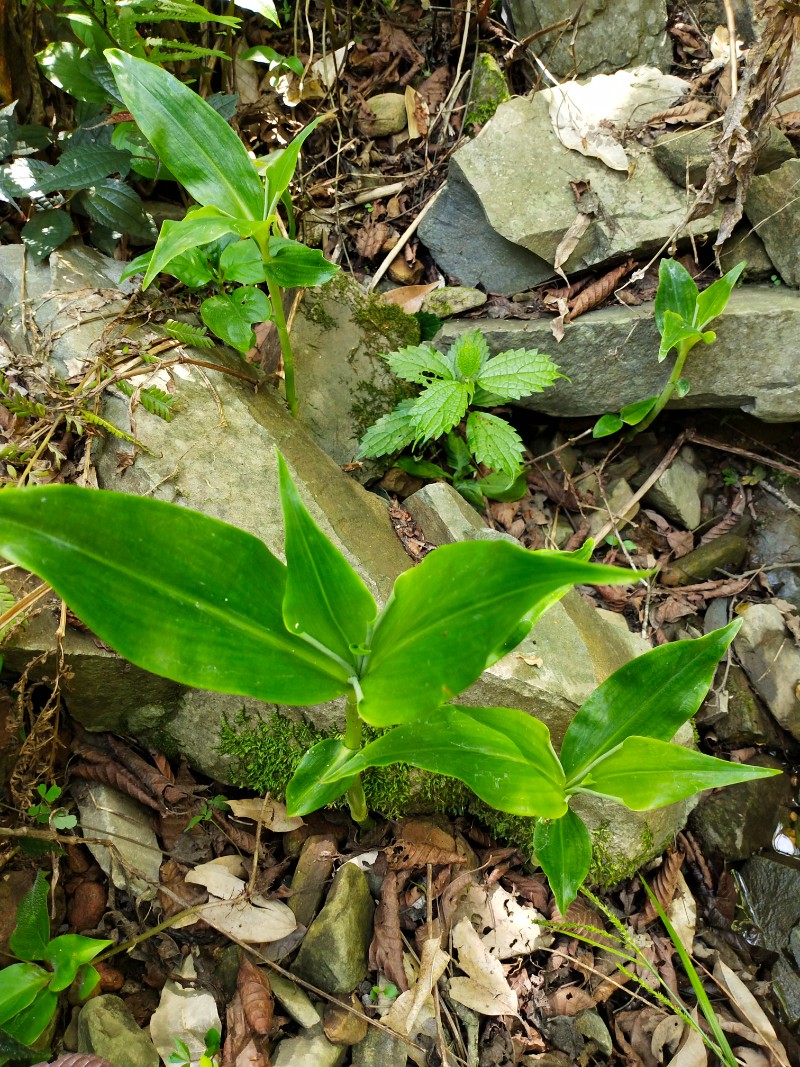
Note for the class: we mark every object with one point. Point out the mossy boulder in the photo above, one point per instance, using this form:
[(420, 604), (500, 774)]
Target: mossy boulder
[(489, 90)]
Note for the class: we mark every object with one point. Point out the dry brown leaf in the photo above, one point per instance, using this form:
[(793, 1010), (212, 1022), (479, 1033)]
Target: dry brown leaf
[(485, 990), (371, 237), (569, 242), (256, 995), (662, 886), (682, 913), (730, 519), (408, 856), (417, 113), (386, 947), (569, 1000), (691, 113), (509, 930), (409, 297), (271, 813), (681, 542), (599, 290), (434, 89), (405, 1011), (77, 1059), (254, 921), (750, 1011)]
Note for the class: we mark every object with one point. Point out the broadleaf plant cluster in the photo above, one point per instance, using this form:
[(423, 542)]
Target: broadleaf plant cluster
[(682, 313), (212, 607), (464, 378), (29, 990)]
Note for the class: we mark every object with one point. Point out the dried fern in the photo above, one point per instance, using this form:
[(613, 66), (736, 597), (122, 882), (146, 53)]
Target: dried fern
[(194, 336)]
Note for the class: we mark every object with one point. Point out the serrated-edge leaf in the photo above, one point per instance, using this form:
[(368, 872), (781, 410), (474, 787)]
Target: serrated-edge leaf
[(563, 850), (31, 934), (440, 407), (468, 355), (644, 773), (391, 432), (651, 695), (418, 364), (518, 373), (324, 598), (495, 442)]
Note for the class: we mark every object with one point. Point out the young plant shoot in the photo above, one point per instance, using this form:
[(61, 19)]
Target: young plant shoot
[(201, 150), (224, 613), (682, 313)]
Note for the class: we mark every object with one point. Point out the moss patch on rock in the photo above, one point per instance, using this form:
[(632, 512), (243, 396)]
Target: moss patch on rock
[(489, 91)]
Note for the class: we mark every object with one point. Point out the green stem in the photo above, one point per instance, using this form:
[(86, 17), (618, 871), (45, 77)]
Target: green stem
[(352, 739), (276, 297), (666, 393)]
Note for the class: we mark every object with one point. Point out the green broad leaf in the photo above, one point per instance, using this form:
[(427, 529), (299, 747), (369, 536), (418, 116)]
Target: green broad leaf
[(391, 432), (632, 414), (713, 300), (19, 985), (564, 852), (447, 616), (503, 486), (143, 157), (306, 792), (231, 316), (606, 425), (324, 597), (644, 773), (292, 264), (67, 954), (114, 204), (264, 54), (85, 165), (418, 364), (469, 355), (682, 387), (421, 468), (191, 267), (89, 978), (677, 293), (675, 332), (13, 1051), (208, 615), (29, 1024), (178, 11), (200, 227), (279, 170), (45, 231), (513, 375), (265, 8), (651, 696), (495, 442), (195, 142), (468, 488), (31, 935), (440, 407), (242, 262), (458, 454), (68, 66), (503, 755)]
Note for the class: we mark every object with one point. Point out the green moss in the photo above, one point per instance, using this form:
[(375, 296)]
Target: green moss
[(607, 868), (387, 326), (489, 91)]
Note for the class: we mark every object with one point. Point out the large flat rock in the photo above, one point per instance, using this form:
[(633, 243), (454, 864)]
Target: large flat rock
[(610, 357)]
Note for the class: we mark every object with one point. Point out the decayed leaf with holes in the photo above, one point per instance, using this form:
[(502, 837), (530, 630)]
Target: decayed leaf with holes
[(485, 990), (405, 1011), (256, 994), (271, 813), (750, 1011), (511, 929)]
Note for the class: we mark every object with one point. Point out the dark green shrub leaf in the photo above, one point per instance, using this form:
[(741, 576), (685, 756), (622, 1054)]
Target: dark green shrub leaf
[(19, 985), (231, 315), (29, 1024), (45, 231), (67, 954), (606, 425), (116, 205), (208, 615), (564, 852), (293, 264), (306, 792), (430, 642), (713, 300), (86, 165), (200, 227), (651, 696), (421, 468), (503, 486), (68, 66), (468, 488), (644, 773), (190, 137), (632, 414), (143, 157), (324, 597), (503, 755), (242, 262), (677, 292), (31, 935), (458, 454)]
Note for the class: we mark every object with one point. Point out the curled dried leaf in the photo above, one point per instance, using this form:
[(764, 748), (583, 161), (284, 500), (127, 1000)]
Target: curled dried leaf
[(256, 993), (598, 291), (663, 885)]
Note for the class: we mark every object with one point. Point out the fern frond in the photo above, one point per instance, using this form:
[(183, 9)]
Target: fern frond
[(104, 424), (21, 405), (7, 601), (176, 11), (152, 399), (165, 51), (193, 336), (4, 384)]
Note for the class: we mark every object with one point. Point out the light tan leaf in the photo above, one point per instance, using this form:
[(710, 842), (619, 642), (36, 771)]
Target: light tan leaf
[(221, 877), (270, 921), (511, 929), (568, 243), (693, 1052), (486, 989), (749, 1010), (666, 1036), (271, 812), (682, 912), (403, 1014), (185, 1012), (328, 68), (410, 297), (417, 112)]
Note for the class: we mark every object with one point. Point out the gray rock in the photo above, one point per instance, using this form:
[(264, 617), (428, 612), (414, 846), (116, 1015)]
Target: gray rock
[(722, 553), (310, 878), (379, 1049), (311, 1049), (678, 492), (452, 300), (777, 541), (135, 862), (740, 820), (610, 36), (772, 897), (334, 952), (734, 712), (610, 357), (444, 516), (107, 1028), (592, 1027), (773, 209), (684, 155), (711, 13), (383, 114), (745, 244), (464, 245), (534, 206), (616, 497), (771, 659), (294, 1001)]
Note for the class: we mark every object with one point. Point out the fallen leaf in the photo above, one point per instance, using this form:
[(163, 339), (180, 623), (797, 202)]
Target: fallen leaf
[(682, 913), (511, 929), (256, 993), (693, 1052), (750, 1011), (410, 297), (254, 921), (328, 69), (485, 990), (272, 813), (221, 877), (417, 113), (569, 242), (403, 1014), (569, 1000), (691, 113), (667, 1036), (185, 1012)]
